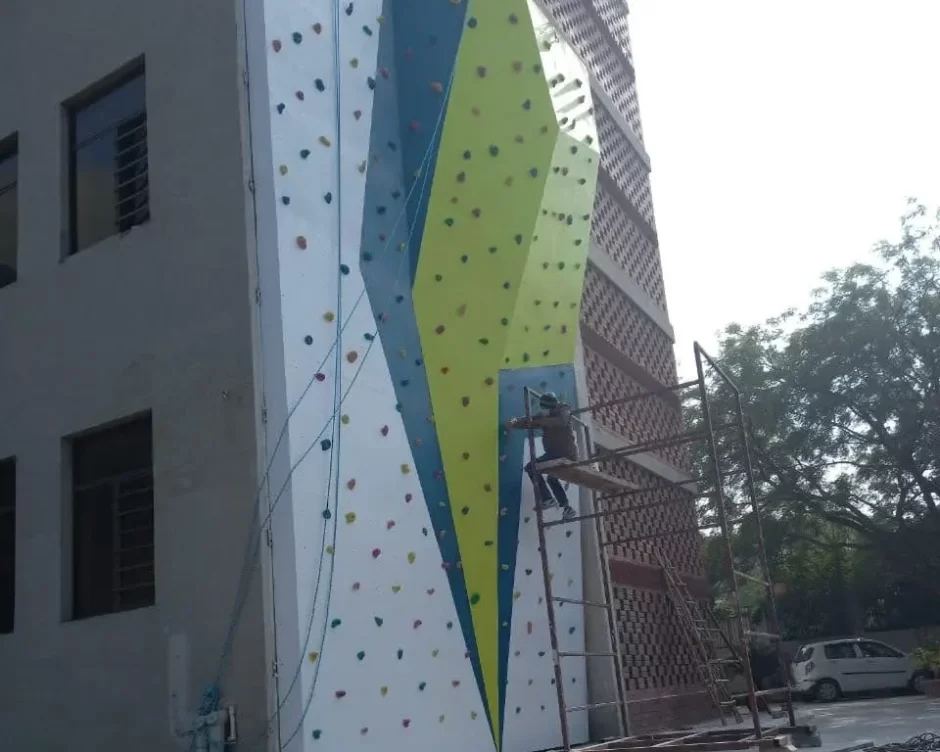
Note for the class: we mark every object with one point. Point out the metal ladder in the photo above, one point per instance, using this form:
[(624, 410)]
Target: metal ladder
[(701, 634), (613, 654)]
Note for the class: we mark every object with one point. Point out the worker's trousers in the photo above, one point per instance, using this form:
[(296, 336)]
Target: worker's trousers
[(542, 486)]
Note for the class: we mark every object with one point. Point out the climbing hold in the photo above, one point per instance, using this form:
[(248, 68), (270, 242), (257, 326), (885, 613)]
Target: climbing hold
[(280, 110), (301, 242), (400, 653), (406, 722), (421, 686), (328, 197), (324, 140), (340, 694), (276, 44), (417, 623), (329, 316), (474, 599), (327, 514), (383, 690), (405, 470), (352, 356), (312, 656), (396, 588), (335, 623), (299, 95), (390, 524), (326, 444), (411, 557), (297, 37), (350, 518), (317, 733), (361, 654), (351, 484), (376, 552)]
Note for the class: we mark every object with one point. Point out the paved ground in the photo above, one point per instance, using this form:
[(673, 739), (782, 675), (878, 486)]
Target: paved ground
[(881, 720)]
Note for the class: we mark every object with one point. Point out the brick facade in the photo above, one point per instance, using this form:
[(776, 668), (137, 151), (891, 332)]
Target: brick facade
[(625, 352)]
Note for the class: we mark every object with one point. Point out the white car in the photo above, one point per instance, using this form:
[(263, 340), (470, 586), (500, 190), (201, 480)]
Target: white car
[(825, 670)]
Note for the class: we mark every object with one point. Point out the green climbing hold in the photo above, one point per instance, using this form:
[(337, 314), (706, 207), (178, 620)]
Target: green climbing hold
[(474, 599), (379, 621), (361, 654), (335, 623), (401, 653)]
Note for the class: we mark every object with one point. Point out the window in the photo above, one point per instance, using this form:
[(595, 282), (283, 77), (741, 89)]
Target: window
[(7, 544), (8, 210), (109, 188), (112, 518), (878, 650), (803, 654), (840, 651)]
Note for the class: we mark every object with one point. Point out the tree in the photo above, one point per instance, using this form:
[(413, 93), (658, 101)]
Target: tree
[(843, 409)]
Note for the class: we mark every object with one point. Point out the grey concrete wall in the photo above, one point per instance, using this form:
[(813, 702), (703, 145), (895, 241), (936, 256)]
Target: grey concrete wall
[(159, 320)]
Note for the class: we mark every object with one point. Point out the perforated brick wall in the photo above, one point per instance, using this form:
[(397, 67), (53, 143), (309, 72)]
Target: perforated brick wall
[(608, 64), (614, 15), (625, 353), (618, 236), (673, 511), (612, 315), (622, 163)]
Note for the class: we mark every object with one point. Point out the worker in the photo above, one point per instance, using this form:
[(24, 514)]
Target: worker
[(558, 443)]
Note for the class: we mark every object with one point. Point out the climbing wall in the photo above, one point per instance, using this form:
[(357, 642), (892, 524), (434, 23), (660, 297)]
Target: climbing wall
[(432, 172)]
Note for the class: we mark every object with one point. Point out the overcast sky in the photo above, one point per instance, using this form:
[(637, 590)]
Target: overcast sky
[(784, 138)]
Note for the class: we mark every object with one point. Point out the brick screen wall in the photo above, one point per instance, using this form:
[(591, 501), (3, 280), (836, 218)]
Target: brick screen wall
[(626, 352)]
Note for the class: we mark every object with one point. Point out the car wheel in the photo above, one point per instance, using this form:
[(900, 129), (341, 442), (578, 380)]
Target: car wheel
[(827, 691), (917, 682)]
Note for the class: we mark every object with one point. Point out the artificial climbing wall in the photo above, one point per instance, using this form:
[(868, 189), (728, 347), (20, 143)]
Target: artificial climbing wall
[(425, 173)]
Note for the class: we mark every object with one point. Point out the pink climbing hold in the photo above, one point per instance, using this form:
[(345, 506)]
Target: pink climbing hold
[(390, 524), (406, 722), (276, 44), (376, 553), (384, 430), (320, 377), (351, 484)]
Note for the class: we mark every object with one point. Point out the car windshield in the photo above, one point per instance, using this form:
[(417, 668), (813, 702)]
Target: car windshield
[(803, 654)]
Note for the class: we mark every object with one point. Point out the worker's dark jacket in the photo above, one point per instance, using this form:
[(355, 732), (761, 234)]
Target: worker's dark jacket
[(557, 434)]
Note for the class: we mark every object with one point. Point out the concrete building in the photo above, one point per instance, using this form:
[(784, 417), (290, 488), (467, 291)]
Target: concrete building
[(272, 276)]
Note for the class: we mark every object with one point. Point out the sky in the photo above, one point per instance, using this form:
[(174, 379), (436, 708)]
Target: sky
[(784, 139)]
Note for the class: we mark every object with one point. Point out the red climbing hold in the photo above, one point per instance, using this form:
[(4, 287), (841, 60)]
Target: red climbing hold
[(384, 430), (340, 694), (376, 553), (317, 27), (351, 484), (276, 44), (417, 623), (408, 498), (390, 524), (406, 722)]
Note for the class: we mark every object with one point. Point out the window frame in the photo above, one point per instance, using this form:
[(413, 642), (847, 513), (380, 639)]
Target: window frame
[(73, 107), (842, 643), (114, 486), (8, 464), (9, 149)]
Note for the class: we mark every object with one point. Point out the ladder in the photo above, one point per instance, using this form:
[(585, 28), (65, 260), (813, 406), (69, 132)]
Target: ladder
[(701, 634), (597, 483)]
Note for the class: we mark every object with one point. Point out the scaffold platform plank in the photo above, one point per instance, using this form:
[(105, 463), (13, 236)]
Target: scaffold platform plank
[(584, 476)]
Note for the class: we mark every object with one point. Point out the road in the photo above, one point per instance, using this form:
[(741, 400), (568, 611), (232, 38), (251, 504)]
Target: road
[(881, 720)]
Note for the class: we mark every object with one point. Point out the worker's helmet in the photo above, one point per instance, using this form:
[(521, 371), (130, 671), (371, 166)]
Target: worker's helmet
[(548, 400)]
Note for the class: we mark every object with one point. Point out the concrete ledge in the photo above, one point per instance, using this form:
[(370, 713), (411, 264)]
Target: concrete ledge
[(602, 261), (613, 441)]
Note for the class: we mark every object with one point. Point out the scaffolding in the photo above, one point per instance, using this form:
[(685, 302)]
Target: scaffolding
[(715, 649)]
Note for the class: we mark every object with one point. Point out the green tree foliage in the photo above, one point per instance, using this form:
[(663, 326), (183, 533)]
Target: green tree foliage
[(843, 407)]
